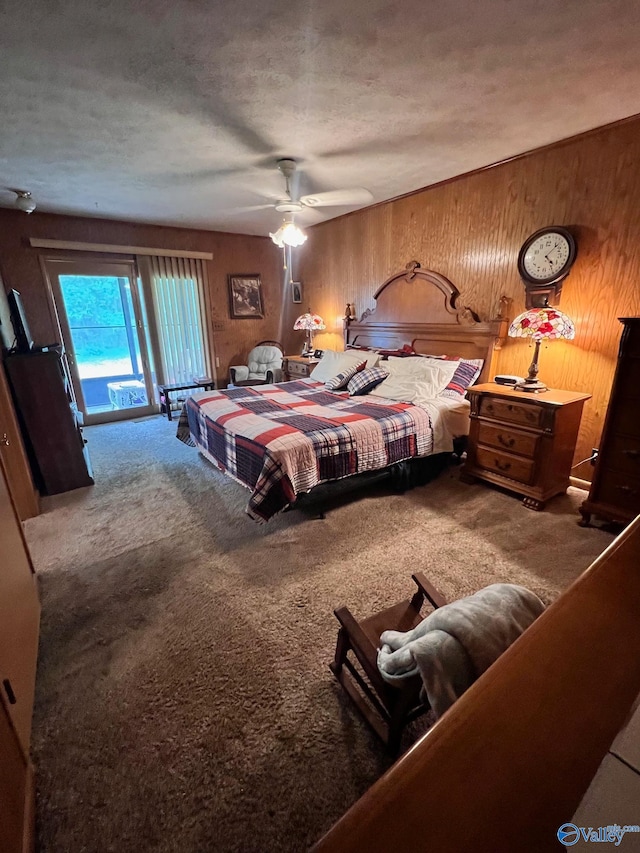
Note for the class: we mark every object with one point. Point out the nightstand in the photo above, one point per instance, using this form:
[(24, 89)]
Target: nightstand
[(522, 441), (297, 367)]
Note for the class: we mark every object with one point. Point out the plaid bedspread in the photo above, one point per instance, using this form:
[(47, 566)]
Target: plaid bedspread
[(282, 440)]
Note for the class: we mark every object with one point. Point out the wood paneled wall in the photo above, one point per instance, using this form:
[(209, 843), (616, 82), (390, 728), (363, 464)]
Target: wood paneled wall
[(471, 230), (232, 253)]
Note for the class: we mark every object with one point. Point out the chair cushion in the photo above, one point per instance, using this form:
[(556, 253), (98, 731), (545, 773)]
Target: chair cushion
[(241, 372), (264, 358)]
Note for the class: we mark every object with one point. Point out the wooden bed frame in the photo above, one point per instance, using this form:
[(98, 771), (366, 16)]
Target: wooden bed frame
[(448, 329)]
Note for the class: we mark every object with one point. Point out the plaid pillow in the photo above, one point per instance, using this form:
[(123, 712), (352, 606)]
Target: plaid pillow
[(366, 380), (466, 374), (339, 382)]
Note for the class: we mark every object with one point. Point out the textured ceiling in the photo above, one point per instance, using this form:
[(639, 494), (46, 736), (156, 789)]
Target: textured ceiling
[(176, 112)]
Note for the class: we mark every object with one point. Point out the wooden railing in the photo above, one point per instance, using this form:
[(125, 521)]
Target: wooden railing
[(511, 760)]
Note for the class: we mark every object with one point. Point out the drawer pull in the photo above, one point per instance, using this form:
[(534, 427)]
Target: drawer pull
[(505, 442), (627, 490), (502, 466), (529, 415), (632, 454), (8, 689)]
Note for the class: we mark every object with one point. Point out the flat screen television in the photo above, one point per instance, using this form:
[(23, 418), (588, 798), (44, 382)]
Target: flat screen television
[(24, 341)]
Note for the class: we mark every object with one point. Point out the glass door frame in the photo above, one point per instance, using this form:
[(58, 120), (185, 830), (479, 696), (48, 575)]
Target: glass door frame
[(83, 265)]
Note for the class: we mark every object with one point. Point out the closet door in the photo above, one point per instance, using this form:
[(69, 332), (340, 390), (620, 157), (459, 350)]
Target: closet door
[(19, 619), (15, 820)]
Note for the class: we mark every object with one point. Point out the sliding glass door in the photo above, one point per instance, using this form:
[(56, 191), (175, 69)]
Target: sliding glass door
[(101, 318)]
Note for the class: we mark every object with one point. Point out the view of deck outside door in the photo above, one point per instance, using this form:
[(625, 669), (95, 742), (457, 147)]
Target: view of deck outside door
[(101, 319)]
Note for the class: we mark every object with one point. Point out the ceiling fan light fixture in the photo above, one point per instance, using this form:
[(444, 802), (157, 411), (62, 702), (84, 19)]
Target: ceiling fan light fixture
[(24, 201), (288, 234)]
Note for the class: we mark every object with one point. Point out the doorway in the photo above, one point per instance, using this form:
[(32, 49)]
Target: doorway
[(100, 313)]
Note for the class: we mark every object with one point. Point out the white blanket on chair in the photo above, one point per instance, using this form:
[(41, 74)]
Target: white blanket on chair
[(456, 643)]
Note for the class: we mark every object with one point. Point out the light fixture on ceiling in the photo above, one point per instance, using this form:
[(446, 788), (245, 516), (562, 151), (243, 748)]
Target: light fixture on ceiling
[(288, 234), (24, 201)]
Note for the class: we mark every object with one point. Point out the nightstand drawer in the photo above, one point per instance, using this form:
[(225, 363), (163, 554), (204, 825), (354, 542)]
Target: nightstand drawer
[(522, 443), (299, 368), (296, 369), (520, 470), (525, 414)]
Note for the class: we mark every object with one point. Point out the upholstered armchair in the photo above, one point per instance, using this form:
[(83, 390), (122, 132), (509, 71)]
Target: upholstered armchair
[(264, 366)]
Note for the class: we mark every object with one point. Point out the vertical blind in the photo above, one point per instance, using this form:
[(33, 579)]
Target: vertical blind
[(177, 287)]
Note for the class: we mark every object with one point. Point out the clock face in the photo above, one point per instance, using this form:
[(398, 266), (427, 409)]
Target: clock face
[(546, 256)]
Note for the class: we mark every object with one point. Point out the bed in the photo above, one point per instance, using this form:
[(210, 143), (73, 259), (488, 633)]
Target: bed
[(282, 441)]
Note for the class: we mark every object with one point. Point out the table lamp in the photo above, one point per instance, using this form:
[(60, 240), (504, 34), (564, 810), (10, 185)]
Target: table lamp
[(310, 323), (540, 324)]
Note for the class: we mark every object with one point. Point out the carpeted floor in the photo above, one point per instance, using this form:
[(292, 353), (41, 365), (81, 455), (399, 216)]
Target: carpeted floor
[(184, 701)]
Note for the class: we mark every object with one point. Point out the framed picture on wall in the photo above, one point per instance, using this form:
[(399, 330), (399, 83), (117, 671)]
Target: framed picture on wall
[(245, 297), (296, 291)]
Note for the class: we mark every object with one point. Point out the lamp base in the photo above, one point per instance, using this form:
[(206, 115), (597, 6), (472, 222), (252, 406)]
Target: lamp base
[(533, 385)]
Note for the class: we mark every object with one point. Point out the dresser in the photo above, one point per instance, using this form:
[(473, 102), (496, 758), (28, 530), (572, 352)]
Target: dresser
[(521, 441), (49, 421), (297, 367), (615, 490)]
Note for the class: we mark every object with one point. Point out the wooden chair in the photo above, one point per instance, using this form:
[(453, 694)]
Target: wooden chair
[(386, 707)]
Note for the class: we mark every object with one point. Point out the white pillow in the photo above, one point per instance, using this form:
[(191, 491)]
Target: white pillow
[(416, 365), (332, 363), (423, 379)]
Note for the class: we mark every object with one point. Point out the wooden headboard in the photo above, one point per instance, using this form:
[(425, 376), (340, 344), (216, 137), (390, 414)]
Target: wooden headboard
[(420, 307)]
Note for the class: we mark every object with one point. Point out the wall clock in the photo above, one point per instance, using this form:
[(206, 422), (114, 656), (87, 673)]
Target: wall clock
[(544, 261)]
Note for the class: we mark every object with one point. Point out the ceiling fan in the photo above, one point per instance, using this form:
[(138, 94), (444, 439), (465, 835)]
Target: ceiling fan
[(289, 234)]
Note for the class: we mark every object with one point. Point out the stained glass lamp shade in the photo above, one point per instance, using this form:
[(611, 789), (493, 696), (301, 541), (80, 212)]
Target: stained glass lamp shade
[(541, 324), (309, 323)]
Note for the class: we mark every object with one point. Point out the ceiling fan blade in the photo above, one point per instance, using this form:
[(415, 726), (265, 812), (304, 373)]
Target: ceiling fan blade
[(336, 198), (294, 185), (233, 211)]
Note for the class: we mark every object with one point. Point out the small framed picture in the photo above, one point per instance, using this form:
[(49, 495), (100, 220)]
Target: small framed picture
[(245, 297), (296, 291)]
